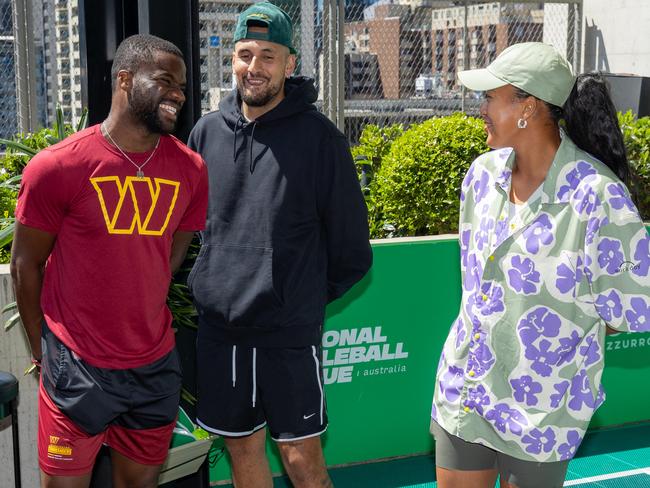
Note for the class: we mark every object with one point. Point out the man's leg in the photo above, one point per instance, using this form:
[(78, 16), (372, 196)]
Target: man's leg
[(305, 464), (130, 474), (250, 467), (66, 454), (48, 481)]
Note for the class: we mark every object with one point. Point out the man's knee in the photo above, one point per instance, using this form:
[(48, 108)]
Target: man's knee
[(253, 446), (302, 455)]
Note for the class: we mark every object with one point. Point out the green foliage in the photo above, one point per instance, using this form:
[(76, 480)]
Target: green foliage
[(636, 133), (417, 186), (19, 150), (374, 144)]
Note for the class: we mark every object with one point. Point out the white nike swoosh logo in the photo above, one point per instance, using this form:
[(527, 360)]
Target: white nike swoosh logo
[(308, 416)]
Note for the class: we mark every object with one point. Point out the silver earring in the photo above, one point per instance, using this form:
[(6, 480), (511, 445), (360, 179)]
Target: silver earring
[(522, 123)]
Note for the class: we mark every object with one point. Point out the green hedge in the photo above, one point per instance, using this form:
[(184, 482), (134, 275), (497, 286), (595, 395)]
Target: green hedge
[(412, 177), (415, 186), (636, 133)]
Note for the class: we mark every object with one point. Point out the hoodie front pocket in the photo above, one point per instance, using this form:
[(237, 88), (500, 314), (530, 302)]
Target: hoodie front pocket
[(234, 284)]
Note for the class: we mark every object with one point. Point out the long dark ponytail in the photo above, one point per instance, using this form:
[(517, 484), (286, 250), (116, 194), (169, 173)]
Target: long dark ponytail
[(591, 123)]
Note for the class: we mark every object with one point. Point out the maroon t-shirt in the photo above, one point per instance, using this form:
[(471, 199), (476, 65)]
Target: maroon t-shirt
[(107, 278)]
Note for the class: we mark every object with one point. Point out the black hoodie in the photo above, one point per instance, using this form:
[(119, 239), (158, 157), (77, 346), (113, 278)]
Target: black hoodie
[(287, 227)]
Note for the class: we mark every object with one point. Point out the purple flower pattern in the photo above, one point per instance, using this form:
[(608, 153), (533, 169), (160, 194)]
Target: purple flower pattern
[(490, 299), (580, 392), (594, 224), (560, 389), (539, 322), (477, 398), (481, 186), (642, 257), (539, 232), (480, 359), (590, 350), (620, 198), (548, 337), (473, 272), (568, 278), (586, 200), (610, 257), (569, 448), (567, 349), (574, 177), (461, 333), (482, 236), (465, 236), (639, 316), (542, 357), (504, 417), (523, 277), (451, 383), (609, 306), (525, 389), (539, 441)]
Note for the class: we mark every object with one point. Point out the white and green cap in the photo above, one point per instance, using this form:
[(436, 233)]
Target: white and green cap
[(534, 67)]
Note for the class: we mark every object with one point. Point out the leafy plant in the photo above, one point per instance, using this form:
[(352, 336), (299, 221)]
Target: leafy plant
[(20, 150), (374, 144), (417, 186), (636, 134)]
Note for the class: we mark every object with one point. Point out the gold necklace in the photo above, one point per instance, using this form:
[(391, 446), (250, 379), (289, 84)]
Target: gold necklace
[(139, 173)]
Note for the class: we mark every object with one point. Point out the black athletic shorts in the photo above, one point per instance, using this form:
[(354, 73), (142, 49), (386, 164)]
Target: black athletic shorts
[(241, 389), (96, 398)]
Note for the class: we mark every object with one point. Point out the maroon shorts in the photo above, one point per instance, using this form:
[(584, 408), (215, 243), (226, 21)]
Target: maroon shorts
[(82, 407)]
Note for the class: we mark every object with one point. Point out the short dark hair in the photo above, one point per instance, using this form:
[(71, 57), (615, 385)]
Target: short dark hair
[(138, 50)]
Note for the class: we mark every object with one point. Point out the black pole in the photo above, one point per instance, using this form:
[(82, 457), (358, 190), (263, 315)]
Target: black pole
[(103, 24), (14, 433)]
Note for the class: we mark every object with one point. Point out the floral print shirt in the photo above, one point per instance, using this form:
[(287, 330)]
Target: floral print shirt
[(521, 369)]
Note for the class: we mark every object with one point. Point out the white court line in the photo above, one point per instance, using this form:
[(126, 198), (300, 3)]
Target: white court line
[(610, 476)]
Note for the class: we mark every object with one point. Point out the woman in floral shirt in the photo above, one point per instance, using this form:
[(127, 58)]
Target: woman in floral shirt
[(553, 255)]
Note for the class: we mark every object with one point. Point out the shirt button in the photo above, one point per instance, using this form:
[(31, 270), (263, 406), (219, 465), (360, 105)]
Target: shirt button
[(477, 336), (467, 409), (471, 373)]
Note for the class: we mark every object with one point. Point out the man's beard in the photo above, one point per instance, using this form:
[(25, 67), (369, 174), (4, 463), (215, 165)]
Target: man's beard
[(146, 111), (259, 99)]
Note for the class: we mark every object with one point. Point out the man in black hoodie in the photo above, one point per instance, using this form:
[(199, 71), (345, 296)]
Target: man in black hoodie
[(286, 234)]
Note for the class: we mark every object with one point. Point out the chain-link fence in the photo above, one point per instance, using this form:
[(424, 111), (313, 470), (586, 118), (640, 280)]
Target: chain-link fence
[(381, 62), (391, 61), (39, 64)]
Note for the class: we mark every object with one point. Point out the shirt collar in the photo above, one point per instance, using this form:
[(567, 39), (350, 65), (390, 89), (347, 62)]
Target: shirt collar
[(566, 154)]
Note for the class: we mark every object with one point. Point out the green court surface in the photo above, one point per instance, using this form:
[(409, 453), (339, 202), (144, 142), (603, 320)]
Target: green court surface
[(616, 458)]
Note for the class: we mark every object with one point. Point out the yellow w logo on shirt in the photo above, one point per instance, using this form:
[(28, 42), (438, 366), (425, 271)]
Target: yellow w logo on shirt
[(138, 203)]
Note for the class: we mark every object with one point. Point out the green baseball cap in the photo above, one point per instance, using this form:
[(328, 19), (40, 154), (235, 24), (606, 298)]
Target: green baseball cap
[(534, 67), (265, 14)]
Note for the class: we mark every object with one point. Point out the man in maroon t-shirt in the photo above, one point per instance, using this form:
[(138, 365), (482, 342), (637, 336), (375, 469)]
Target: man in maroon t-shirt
[(103, 220)]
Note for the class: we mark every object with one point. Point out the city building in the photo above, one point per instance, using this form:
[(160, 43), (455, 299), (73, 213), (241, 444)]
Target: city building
[(217, 20), (61, 57), (491, 26), (398, 35)]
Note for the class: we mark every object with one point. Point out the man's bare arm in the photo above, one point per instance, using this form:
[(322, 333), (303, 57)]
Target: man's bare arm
[(29, 252), (180, 243)]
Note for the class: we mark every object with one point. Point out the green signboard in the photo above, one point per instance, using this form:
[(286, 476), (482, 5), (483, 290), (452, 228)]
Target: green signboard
[(381, 346)]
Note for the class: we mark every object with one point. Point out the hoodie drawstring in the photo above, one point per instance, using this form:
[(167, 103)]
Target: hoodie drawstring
[(239, 124), (234, 144), (251, 162)]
